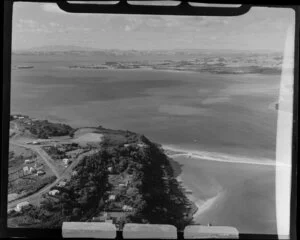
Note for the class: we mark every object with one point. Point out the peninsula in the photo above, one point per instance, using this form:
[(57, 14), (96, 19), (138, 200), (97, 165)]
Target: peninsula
[(58, 173)]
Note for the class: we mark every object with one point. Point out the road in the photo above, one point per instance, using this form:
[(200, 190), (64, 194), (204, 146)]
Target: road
[(34, 198), (47, 159)]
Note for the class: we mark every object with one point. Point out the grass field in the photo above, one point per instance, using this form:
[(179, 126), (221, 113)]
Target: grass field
[(23, 183)]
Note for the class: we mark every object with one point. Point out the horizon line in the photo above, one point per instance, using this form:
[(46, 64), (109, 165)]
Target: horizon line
[(90, 49)]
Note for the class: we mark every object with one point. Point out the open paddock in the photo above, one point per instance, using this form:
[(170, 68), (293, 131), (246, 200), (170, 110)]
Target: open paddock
[(22, 181)]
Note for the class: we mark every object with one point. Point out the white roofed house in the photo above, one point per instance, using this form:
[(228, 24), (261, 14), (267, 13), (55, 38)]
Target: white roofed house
[(54, 192), (32, 170), (61, 184), (142, 145), (127, 208), (28, 161), (21, 206), (26, 170), (40, 172), (112, 197), (66, 161)]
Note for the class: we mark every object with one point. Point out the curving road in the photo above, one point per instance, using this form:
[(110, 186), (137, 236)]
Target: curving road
[(34, 198), (47, 159)]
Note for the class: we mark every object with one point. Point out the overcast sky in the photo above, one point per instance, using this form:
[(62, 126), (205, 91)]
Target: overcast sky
[(43, 24)]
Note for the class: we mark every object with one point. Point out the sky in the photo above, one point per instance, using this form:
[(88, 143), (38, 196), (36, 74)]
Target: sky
[(44, 24)]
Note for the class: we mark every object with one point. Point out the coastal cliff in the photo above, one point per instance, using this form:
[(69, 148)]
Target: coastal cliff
[(126, 178)]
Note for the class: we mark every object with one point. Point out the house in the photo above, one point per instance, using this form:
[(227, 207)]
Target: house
[(39, 168), (26, 170), (54, 192), (40, 173), (32, 170), (61, 149), (188, 191), (142, 145), (127, 208), (10, 210), (21, 206), (109, 169), (112, 197), (101, 218), (28, 161), (62, 184), (124, 184), (74, 173), (66, 161)]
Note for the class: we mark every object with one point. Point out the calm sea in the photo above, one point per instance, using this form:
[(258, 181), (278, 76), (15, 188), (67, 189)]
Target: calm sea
[(199, 111)]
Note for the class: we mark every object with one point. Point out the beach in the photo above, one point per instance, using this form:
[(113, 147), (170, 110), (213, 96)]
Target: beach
[(229, 193)]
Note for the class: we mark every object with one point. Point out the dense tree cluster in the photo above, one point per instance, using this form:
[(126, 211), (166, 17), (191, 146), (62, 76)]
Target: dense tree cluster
[(78, 200), (54, 152), (29, 185), (59, 152), (46, 129), (152, 191)]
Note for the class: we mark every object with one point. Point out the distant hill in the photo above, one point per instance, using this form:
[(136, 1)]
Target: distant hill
[(59, 49)]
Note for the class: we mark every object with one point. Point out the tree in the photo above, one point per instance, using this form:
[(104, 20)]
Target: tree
[(76, 213)]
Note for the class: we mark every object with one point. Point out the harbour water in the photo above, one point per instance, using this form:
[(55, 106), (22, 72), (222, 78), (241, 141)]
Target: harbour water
[(225, 114)]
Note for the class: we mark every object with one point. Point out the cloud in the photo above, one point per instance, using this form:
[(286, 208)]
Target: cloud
[(127, 28), (53, 8), (77, 29), (28, 25), (54, 24)]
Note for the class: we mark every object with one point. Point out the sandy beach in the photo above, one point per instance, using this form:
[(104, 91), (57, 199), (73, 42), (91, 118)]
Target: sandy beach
[(206, 205), (202, 204), (228, 192), (220, 157)]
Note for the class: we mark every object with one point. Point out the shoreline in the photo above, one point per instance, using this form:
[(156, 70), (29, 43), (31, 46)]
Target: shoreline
[(206, 204), (219, 157), (203, 205), (151, 68)]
